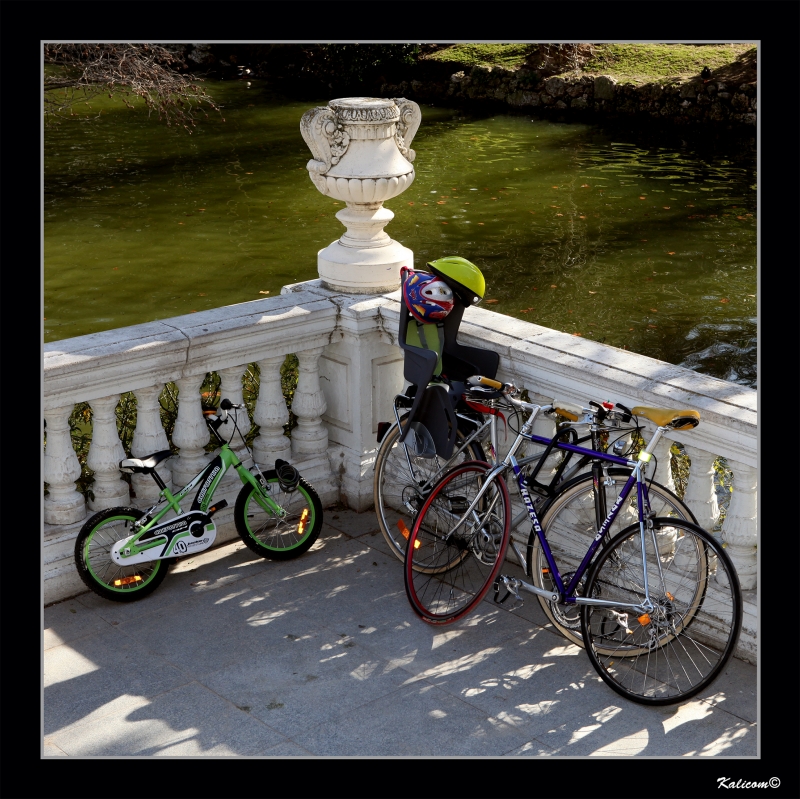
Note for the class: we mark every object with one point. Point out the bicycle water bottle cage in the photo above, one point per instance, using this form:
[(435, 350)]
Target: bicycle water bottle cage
[(287, 475)]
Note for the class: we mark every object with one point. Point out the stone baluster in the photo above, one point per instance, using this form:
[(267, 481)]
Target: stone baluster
[(740, 528), (271, 414), (190, 433), (700, 495), (545, 427), (231, 388), (149, 437), (64, 504), (105, 453), (310, 437), (663, 454)]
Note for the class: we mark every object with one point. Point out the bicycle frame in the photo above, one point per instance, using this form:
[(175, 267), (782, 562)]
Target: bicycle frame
[(194, 522), (564, 593)]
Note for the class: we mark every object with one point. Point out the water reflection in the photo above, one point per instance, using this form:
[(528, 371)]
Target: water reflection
[(649, 246)]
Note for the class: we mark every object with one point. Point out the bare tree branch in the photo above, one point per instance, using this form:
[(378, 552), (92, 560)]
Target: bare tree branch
[(127, 71)]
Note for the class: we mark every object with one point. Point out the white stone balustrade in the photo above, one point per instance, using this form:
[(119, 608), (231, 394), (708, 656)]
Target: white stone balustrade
[(149, 437), (64, 503), (271, 414), (349, 370), (104, 456)]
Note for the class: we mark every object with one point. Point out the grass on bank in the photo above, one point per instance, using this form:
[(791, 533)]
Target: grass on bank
[(639, 63)]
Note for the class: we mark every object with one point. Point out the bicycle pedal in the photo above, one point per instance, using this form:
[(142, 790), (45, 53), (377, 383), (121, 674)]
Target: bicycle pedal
[(288, 476)]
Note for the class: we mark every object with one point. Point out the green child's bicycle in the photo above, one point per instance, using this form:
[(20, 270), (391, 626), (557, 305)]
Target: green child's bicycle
[(124, 553)]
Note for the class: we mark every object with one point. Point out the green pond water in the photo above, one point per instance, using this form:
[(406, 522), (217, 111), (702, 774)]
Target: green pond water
[(644, 245)]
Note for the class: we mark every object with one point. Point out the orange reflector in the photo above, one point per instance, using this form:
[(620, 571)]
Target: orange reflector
[(128, 580), (545, 571), (300, 528), (670, 597), (416, 544), (644, 619), (304, 515), (403, 529)]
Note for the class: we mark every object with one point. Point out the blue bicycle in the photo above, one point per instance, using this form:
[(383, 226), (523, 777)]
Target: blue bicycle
[(659, 602)]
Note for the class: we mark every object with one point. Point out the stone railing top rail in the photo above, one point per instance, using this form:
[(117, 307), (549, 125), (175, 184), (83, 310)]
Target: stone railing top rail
[(86, 367)]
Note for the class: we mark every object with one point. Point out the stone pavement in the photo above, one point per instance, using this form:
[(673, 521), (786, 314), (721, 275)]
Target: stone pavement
[(322, 656)]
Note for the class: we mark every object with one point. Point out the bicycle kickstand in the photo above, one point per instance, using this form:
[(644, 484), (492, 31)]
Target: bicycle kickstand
[(511, 584)]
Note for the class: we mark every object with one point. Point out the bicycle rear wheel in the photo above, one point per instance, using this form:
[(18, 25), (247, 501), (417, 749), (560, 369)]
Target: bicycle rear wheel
[(450, 567), (569, 524), (674, 651), (398, 495)]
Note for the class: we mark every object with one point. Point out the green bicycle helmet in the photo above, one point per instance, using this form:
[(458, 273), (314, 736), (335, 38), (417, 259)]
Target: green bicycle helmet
[(462, 276)]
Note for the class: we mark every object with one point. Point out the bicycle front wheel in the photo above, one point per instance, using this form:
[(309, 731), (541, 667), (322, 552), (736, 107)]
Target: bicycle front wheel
[(675, 650), (569, 524), (99, 572), (398, 494), (449, 566), (280, 535)]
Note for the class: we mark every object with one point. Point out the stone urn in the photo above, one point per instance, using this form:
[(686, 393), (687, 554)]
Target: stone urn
[(362, 157)]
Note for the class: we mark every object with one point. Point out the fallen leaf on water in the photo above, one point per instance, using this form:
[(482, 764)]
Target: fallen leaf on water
[(643, 198), (653, 326), (630, 328), (445, 223), (424, 203), (263, 292), (569, 311), (584, 185), (559, 214), (689, 205), (532, 212), (192, 311), (554, 187), (654, 310), (202, 294), (576, 334), (114, 269), (480, 223), (553, 286), (666, 208), (491, 302), (203, 209), (751, 295), (248, 173), (440, 202), (740, 217), (670, 253), (592, 292), (724, 299), (411, 203), (642, 239), (581, 217)]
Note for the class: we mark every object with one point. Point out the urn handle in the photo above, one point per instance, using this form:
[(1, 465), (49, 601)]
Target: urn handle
[(407, 126), (327, 141)]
